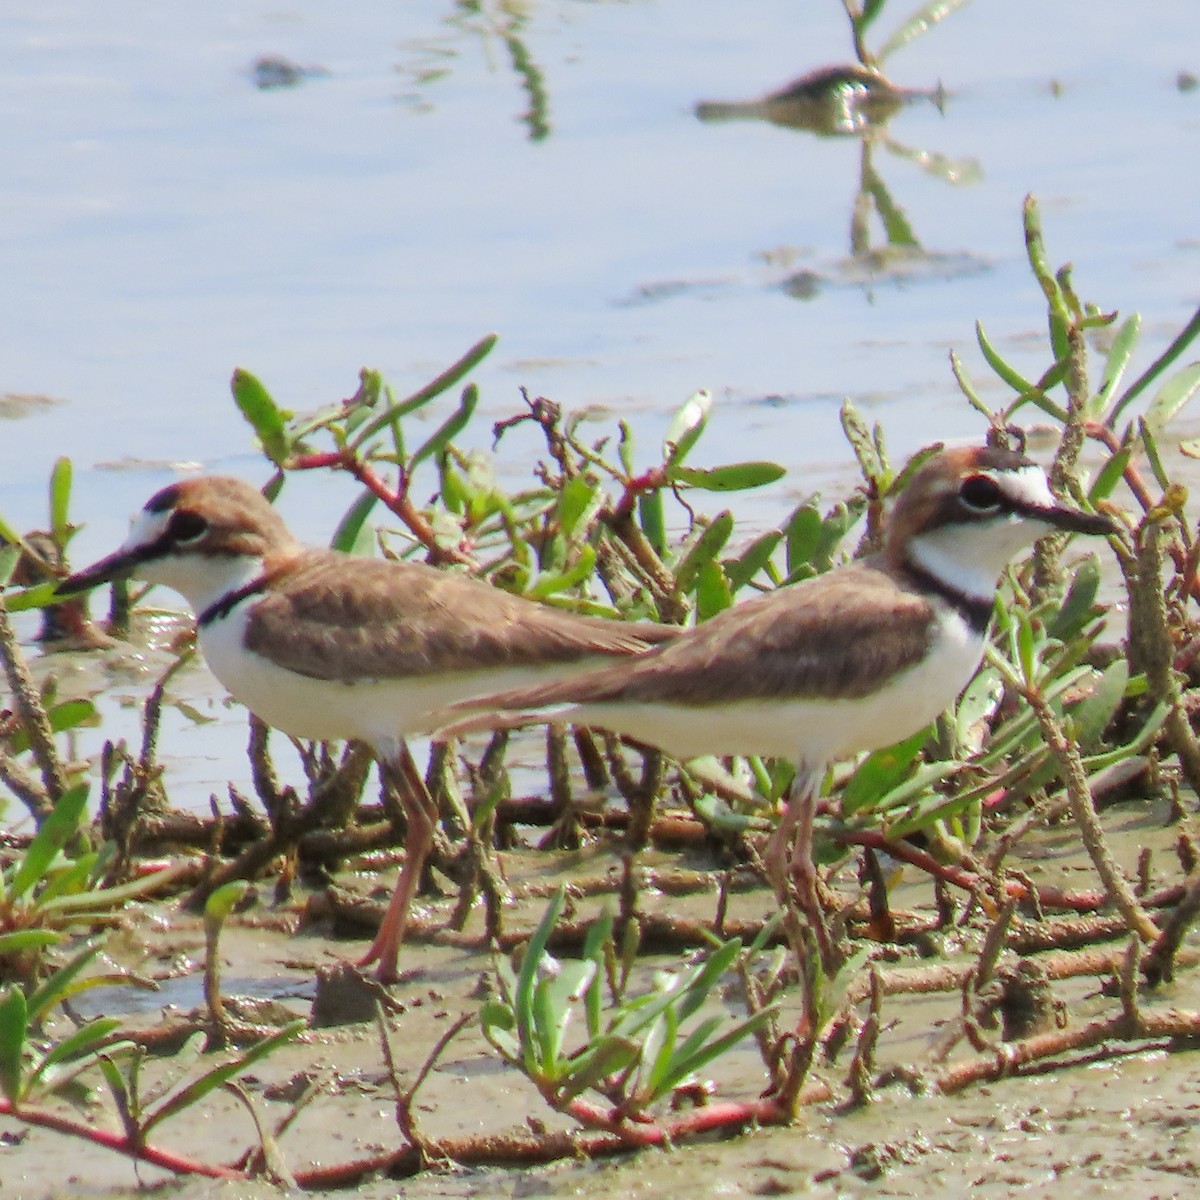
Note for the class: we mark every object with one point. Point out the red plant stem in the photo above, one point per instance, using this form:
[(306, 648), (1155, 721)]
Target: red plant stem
[(636, 486), (120, 1142), (606, 1136), (396, 499), (1048, 897), (726, 1115), (1175, 1024)]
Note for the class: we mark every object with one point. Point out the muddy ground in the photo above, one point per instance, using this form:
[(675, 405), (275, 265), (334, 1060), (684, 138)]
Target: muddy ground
[(1127, 1124)]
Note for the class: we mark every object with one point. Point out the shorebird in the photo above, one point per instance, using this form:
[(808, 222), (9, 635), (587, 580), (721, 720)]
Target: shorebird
[(332, 646), (852, 660)]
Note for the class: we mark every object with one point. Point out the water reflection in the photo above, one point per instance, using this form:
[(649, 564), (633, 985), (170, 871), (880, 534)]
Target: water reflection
[(502, 23), (837, 101), (856, 101)]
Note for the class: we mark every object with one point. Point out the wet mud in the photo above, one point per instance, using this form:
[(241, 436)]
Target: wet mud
[(1106, 1119)]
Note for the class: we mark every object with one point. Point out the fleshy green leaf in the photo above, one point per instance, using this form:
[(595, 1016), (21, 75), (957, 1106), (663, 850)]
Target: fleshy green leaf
[(353, 535), (710, 542), (870, 10), (265, 417), (58, 986), (1079, 605), (992, 357), (223, 900), (707, 975), (1093, 713), (37, 596), (1110, 474), (526, 983), (652, 520), (658, 1047), (69, 714), (803, 533), (741, 570), (713, 593), (1025, 646), (579, 496), (450, 428), (685, 1065), (736, 477), (101, 899), (924, 19), (927, 810), (604, 1057), (60, 501), (56, 831), (1179, 343), (446, 380), (1150, 445), (918, 784), (686, 427), (187, 1095), (1123, 344), (10, 556), (715, 812), (81, 1042), (1171, 397), (562, 992), (14, 1025), (20, 941), (597, 946), (68, 878), (498, 1022), (881, 771), (562, 581), (625, 446)]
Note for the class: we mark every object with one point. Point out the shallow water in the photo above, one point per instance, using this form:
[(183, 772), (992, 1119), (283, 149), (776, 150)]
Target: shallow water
[(166, 221)]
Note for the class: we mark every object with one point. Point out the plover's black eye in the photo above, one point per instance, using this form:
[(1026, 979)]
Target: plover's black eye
[(981, 493), (185, 526)]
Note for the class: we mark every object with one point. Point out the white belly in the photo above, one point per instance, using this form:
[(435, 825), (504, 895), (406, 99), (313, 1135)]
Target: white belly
[(374, 710), (815, 730)]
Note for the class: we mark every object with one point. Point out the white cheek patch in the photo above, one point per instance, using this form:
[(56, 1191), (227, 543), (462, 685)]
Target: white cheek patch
[(145, 529), (1030, 486)]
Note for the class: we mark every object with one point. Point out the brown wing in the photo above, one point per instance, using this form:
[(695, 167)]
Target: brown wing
[(839, 635), (332, 616)]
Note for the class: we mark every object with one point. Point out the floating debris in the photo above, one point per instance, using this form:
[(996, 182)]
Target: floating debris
[(272, 71)]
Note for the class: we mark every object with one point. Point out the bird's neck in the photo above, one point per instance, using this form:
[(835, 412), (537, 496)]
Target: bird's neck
[(944, 563), (204, 580)]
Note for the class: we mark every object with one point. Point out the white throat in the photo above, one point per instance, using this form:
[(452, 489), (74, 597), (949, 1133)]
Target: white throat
[(971, 558), (201, 579)]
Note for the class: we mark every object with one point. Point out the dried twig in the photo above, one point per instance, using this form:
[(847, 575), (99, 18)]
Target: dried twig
[(34, 720)]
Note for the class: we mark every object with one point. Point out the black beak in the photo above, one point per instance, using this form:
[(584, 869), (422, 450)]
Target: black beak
[(1074, 520), (118, 565)]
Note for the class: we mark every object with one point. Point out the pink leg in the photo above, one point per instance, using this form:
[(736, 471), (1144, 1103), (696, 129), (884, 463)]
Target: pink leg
[(794, 830), (804, 868), (421, 811), (789, 861)]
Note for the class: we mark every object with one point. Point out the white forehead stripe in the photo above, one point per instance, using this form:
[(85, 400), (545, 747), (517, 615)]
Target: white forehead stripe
[(146, 528), (1027, 484)]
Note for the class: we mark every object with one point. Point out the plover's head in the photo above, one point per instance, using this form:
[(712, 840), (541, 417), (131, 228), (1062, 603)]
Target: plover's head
[(967, 513), (197, 536)]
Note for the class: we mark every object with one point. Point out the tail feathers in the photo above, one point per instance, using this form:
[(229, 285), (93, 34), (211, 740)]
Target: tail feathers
[(480, 716)]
